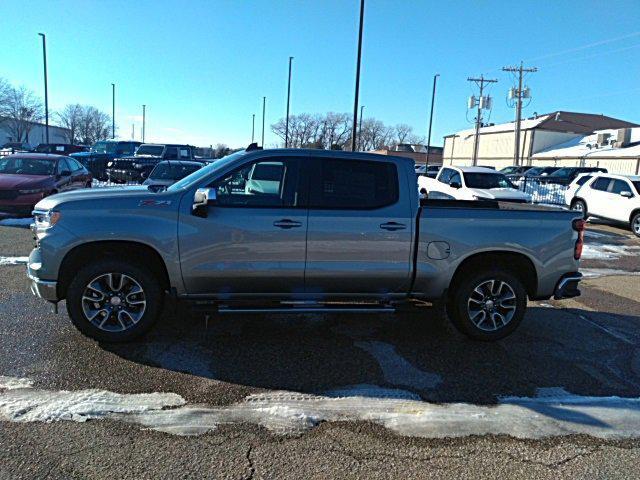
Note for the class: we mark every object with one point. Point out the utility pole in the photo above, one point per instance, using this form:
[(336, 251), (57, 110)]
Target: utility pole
[(481, 102), (355, 102), (433, 98), (264, 107), (144, 117), (133, 131), (518, 94), (286, 129), (46, 89), (253, 126), (360, 128), (113, 110)]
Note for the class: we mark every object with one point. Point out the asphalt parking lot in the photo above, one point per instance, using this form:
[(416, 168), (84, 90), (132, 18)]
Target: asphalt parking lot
[(324, 396)]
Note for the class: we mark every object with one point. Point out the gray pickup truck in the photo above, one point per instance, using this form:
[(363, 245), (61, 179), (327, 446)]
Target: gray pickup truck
[(298, 231)]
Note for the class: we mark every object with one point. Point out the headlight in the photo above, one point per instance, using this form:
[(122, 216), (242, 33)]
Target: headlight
[(137, 166), (46, 219), (30, 191)]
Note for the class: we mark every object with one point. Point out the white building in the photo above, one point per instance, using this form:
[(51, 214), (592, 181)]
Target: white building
[(496, 143), (616, 150), (37, 134)]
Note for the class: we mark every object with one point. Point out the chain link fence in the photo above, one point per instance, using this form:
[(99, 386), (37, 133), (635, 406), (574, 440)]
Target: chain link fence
[(542, 189)]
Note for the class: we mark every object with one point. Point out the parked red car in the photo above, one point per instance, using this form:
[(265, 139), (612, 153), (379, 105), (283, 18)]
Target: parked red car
[(26, 178)]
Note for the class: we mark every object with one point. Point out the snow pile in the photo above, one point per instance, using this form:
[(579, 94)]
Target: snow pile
[(16, 222), (551, 412), (14, 260)]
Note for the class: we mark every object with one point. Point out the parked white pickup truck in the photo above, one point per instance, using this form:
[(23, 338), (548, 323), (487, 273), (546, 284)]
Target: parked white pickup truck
[(472, 183)]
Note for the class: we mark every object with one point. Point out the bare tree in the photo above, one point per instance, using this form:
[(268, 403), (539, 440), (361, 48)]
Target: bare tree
[(402, 131), (5, 92), (21, 109), (70, 118), (94, 126)]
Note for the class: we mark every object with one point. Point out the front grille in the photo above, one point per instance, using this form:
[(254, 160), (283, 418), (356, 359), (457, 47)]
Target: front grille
[(8, 194), (122, 164)]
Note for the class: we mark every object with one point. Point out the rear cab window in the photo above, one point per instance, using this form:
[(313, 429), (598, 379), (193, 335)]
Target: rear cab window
[(348, 184)]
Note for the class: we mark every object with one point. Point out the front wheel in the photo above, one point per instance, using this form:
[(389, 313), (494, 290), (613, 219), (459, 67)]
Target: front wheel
[(635, 224), (112, 300), (488, 305)]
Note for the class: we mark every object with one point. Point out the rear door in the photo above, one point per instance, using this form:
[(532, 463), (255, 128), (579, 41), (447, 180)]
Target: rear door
[(360, 231), (597, 197), (64, 180), (250, 243)]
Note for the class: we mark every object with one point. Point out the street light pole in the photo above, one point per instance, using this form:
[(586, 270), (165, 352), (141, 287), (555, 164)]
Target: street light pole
[(113, 110), (144, 118), (46, 90), (253, 126), (286, 129), (433, 98), (355, 102), (360, 128), (264, 107)]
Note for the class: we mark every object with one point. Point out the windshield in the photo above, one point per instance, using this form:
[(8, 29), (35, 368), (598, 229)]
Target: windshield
[(172, 171), (27, 166), (267, 171), (204, 172), (99, 147), (563, 172), (155, 150), (487, 180)]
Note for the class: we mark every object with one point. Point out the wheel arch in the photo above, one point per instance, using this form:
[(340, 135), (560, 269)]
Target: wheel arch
[(517, 264), (133, 251)]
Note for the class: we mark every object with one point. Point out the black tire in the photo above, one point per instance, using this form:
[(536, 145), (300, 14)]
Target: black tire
[(580, 206), (635, 224), (464, 294), (152, 294)]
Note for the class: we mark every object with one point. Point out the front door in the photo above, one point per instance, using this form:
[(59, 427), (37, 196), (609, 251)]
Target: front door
[(359, 235), (253, 239)]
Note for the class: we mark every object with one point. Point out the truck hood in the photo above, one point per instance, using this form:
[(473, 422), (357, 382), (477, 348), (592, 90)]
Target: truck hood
[(500, 194), (94, 194)]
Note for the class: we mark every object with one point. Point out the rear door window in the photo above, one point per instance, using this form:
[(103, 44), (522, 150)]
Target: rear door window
[(601, 184), (171, 153), (353, 184)]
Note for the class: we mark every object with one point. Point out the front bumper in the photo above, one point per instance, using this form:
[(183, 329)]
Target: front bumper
[(45, 289), (567, 287)]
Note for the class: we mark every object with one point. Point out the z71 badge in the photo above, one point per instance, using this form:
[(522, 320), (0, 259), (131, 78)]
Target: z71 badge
[(154, 203)]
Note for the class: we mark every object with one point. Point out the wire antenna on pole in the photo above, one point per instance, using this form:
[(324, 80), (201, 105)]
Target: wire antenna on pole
[(517, 94), (483, 103)]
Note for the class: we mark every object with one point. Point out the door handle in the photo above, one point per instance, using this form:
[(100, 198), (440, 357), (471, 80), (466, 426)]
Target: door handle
[(286, 223), (393, 226)]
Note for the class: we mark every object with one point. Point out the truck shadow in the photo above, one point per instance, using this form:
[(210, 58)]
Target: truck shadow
[(412, 355)]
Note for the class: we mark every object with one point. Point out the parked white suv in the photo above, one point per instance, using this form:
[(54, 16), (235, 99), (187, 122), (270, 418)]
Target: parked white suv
[(472, 183), (612, 197)]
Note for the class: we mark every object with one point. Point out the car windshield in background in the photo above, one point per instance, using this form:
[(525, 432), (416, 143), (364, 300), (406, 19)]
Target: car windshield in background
[(203, 172), (99, 147), (172, 171), (27, 166), (266, 171), (563, 172), (155, 150), (486, 180)]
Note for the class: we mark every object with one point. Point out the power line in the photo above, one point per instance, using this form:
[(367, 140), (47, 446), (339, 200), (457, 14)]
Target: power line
[(518, 93), (483, 103)]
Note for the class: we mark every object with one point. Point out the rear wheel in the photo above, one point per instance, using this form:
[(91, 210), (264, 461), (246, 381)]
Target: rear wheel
[(488, 305), (635, 224), (114, 301), (580, 206)]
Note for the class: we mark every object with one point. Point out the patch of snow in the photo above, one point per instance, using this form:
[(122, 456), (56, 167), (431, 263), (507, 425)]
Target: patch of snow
[(14, 260), (16, 222), (602, 251), (367, 390), (552, 412), (606, 272)]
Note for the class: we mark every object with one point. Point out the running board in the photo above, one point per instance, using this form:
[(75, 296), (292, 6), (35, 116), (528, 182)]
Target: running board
[(306, 309)]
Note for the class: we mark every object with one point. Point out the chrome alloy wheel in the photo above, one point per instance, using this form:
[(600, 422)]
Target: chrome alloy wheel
[(578, 207), (113, 302), (636, 225), (491, 305)]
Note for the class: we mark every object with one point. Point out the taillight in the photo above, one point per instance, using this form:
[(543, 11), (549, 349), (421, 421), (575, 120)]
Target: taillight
[(579, 225)]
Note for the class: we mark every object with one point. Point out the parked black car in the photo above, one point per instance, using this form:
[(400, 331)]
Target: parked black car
[(134, 169), (515, 169), (102, 152), (168, 172), (540, 171), (60, 148), (566, 175)]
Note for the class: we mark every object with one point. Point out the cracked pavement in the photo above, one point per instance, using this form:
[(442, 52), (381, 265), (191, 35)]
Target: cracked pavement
[(589, 346)]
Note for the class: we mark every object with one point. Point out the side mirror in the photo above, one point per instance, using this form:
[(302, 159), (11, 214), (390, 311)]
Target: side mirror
[(202, 199), (626, 194), (455, 185)]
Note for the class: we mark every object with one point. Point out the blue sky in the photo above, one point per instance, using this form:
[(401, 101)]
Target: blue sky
[(202, 67)]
